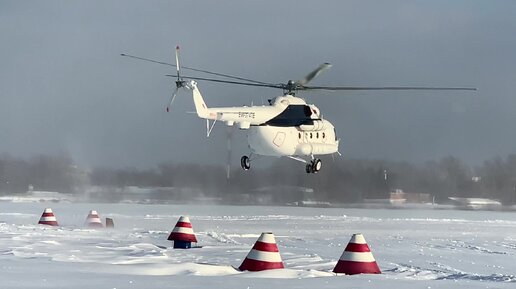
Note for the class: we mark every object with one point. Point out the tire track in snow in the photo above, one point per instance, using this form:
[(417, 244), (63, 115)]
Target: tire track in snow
[(445, 272)]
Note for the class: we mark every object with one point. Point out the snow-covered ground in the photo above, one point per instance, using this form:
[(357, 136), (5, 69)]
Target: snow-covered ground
[(414, 248)]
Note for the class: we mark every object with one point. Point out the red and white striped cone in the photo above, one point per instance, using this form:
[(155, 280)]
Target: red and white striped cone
[(93, 220), (263, 256), (48, 218), (183, 234), (357, 258)]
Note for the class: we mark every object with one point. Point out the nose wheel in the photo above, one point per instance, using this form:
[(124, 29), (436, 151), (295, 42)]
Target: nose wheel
[(245, 163), (314, 166)]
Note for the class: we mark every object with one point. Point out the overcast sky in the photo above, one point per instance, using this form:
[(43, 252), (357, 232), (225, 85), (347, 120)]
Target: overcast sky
[(64, 87)]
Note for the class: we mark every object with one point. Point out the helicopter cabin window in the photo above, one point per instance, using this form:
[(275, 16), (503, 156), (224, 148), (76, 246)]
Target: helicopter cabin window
[(299, 135), (323, 135), (317, 135), (311, 135)]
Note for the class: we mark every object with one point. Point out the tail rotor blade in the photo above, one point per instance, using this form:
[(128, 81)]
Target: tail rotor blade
[(179, 81), (172, 99), (178, 68)]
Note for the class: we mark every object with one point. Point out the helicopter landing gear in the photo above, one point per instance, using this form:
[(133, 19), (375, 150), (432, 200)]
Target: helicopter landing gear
[(314, 166), (245, 163)]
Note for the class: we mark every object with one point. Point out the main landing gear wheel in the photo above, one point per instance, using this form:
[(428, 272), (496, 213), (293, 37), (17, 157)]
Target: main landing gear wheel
[(314, 166), (245, 163)]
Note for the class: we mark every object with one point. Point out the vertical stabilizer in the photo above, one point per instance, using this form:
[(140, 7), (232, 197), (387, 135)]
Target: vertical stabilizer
[(200, 105)]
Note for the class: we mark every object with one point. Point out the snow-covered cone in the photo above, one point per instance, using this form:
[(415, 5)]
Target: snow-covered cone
[(183, 234), (264, 255), (48, 218), (109, 223), (93, 220), (357, 258)]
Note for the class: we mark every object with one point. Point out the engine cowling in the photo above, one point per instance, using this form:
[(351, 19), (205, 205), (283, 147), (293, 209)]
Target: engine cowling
[(317, 125)]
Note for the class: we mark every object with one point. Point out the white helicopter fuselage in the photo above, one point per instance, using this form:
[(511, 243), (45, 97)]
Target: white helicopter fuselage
[(287, 127), (292, 141)]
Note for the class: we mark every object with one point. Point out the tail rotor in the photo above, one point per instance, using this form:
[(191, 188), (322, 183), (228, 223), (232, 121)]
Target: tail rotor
[(179, 82), (172, 98)]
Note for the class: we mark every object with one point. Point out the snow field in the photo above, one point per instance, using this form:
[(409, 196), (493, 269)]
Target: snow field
[(414, 249)]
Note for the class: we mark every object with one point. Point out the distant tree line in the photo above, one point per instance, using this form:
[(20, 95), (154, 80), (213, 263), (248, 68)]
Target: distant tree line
[(51, 173), (342, 180)]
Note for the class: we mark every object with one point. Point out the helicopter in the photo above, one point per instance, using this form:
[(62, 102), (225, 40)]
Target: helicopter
[(287, 127)]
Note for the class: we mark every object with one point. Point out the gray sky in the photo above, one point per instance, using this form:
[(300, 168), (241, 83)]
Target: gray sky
[(64, 87)]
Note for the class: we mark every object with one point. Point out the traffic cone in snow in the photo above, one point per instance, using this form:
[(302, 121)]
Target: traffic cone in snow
[(357, 258), (263, 256), (183, 234), (48, 218), (93, 220)]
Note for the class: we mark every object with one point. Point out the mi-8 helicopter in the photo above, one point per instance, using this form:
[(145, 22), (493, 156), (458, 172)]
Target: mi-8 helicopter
[(287, 127)]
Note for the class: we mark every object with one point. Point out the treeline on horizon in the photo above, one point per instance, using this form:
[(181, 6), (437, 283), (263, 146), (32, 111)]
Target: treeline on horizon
[(342, 180)]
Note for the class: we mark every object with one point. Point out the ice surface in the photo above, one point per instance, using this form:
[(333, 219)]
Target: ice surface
[(414, 248)]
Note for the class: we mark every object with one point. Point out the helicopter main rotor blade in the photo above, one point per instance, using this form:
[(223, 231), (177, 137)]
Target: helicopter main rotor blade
[(281, 86), (313, 74), (382, 88), (193, 69), (147, 59), (291, 86)]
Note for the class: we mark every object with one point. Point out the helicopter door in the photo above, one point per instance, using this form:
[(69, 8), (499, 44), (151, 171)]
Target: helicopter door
[(279, 139)]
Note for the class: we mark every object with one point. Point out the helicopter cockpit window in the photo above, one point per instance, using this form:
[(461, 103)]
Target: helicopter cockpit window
[(299, 135), (311, 135), (307, 110)]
